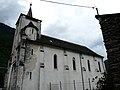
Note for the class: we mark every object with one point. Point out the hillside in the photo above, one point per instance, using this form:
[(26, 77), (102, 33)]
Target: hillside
[(6, 39)]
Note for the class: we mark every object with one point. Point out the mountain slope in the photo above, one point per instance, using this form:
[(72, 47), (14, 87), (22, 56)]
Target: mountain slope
[(6, 40)]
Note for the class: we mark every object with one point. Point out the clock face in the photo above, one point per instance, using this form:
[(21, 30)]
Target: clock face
[(31, 33)]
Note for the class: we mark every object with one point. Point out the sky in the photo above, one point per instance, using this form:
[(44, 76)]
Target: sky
[(74, 24)]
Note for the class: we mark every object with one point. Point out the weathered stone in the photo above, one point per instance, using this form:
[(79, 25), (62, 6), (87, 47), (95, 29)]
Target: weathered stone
[(110, 26)]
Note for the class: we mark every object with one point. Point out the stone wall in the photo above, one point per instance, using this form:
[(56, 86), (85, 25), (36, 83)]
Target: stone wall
[(110, 26)]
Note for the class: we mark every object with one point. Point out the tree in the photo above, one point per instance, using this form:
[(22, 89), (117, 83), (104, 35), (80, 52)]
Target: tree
[(105, 82)]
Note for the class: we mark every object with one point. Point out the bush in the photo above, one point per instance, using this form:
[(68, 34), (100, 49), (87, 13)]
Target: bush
[(105, 82)]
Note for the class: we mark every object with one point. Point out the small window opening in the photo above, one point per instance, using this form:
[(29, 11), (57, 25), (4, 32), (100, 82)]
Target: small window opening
[(32, 52), (88, 65), (65, 54), (32, 30), (30, 75), (99, 66)]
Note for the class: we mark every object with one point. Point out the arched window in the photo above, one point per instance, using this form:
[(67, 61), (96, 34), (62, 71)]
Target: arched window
[(55, 61), (74, 64)]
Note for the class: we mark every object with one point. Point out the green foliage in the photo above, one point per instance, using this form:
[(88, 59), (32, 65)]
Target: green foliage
[(6, 39), (1, 80), (105, 82)]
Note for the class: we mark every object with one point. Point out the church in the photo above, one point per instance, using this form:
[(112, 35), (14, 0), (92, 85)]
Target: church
[(40, 62)]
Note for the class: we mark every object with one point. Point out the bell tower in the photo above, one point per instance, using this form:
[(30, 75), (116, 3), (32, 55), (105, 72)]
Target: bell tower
[(27, 28)]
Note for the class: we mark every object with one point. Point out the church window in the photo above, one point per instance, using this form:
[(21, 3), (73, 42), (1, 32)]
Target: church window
[(99, 66), (74, 64), (88, 62), (55, 61)]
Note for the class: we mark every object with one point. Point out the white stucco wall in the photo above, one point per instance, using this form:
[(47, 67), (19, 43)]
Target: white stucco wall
[(48, 77), (94, 74)]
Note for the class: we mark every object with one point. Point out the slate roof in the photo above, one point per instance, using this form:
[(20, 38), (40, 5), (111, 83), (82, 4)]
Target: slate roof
[(46, 40)]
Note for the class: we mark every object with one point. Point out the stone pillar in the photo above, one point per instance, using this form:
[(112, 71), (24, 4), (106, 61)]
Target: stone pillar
[(110, 26)]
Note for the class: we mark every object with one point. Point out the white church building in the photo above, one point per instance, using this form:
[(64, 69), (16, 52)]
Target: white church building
[(40, 62)]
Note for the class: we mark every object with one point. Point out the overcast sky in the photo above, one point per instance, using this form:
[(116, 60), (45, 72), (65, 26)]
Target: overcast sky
[(73, 24)]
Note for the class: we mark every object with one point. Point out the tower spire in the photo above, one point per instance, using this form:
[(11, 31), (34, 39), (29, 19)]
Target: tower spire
[(30, 11)]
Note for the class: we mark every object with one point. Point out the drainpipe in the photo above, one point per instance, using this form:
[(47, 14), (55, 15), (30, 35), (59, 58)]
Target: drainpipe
[(82, 72), (89, 83), (39, 78)]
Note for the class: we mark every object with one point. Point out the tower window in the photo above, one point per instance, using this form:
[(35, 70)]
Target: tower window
[(88, 65), (74, 64), (32, 30), (99, 66), (55, 61)]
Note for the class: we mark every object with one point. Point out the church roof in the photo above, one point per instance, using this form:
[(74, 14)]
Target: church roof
[(46, 40)]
